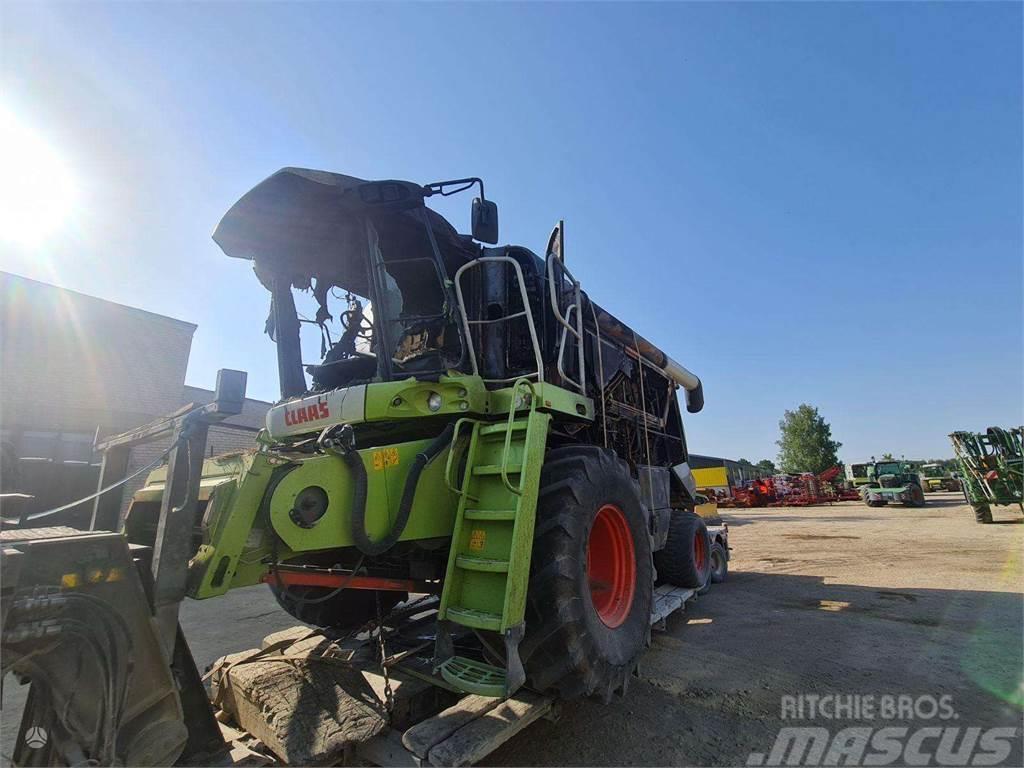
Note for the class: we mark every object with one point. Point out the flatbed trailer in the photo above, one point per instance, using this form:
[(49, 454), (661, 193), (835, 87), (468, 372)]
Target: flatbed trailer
[(428, 722)]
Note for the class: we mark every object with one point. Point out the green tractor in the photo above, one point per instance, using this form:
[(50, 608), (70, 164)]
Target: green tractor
[(893, 482), (474, 426)]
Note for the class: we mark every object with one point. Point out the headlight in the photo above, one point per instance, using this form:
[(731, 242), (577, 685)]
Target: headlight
[(434, 401)]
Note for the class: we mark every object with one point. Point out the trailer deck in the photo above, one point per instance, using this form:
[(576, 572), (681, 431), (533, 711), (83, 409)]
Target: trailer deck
[(358, 711)]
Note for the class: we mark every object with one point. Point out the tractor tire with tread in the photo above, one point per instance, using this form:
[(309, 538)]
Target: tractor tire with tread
[(916, 497), (684, 561), (982, 513), (719, 564), (569, 649)]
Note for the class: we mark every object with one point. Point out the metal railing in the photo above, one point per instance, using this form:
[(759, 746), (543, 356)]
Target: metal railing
[(467, 323), (567, 328)]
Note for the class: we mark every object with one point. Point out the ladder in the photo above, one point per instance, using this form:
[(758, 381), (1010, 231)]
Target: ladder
[(489, 562)]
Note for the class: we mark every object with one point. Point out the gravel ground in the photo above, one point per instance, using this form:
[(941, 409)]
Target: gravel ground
[(840, 599), (837, 599)]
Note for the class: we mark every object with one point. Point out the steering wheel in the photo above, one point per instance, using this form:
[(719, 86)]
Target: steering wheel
[(365, 328)]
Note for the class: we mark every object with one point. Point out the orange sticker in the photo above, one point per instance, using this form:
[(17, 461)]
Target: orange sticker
[(477, 538)]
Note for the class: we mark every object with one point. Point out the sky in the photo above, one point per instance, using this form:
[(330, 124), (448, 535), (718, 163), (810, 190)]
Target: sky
[(802, 203)]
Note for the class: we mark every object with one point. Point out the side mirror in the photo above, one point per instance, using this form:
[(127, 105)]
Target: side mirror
[(230, 393), (485, 221)]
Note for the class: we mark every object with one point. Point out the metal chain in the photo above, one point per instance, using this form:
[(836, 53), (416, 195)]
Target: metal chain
[(389, 696)]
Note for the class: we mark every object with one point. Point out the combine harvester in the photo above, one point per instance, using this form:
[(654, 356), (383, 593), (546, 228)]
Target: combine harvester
[(992, 469), (477, 431)]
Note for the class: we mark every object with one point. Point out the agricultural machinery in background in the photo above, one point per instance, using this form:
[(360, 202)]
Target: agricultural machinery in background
[(858, 474), (935, 477), (991, 469), (893, 482), (475, 427), (792, 490)]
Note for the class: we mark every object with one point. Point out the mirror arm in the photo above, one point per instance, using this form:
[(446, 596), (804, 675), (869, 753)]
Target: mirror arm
[(438, 187)]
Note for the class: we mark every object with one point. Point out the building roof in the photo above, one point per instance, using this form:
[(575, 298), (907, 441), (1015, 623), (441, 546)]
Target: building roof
[(10, 282)]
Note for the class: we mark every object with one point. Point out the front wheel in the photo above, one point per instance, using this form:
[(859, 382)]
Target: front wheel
[(591, 576)]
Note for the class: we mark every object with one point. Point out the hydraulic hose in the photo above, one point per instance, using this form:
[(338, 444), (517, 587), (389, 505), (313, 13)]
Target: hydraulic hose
[(353, 461)]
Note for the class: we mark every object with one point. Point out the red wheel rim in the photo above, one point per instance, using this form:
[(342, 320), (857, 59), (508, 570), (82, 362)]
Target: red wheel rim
[(700, 551), (611, 566)]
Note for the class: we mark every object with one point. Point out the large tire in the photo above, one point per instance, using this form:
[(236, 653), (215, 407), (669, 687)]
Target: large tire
[(916, 496), (591, 576), (983, 513), (719, 564), (685, 561), (349, 609), (719, 568)]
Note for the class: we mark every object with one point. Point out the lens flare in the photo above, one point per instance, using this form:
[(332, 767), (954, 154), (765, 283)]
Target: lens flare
[(37, 190)]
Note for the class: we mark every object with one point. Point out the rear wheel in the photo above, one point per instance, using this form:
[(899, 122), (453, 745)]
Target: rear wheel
[(685, 561), (983, 513), (348, 609), (591, 576)]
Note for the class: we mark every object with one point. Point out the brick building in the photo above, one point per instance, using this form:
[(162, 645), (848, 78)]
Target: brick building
[(72, 364)]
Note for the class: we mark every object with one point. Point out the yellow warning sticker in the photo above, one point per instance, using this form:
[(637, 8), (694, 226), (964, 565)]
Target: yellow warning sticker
[(386, 457), (477, 539)]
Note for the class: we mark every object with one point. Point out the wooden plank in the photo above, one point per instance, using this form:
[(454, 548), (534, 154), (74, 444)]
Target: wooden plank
[(387, 749), (668, 600), (486, 733), (421, 737)]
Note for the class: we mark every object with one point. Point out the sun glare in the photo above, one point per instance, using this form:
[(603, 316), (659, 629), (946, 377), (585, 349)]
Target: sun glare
[(37, 191)]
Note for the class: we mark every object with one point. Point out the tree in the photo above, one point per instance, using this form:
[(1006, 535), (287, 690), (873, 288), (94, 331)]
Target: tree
[(766, 467), (887, 457), (806, 443)]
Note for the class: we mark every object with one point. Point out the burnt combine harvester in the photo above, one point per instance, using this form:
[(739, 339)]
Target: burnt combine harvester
[(474, 427)]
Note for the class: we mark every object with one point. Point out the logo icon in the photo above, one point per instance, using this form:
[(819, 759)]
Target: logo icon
[(36, 737)]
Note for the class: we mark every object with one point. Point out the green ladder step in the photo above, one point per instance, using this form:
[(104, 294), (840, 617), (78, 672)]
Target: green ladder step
[(470, 563), (495, 469), (502, 428), (476, 619), (489, 514), (474, 676)]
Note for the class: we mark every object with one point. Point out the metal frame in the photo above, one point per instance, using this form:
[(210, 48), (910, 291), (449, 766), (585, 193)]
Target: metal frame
[(172, 547), (466, 322), (576, 331)]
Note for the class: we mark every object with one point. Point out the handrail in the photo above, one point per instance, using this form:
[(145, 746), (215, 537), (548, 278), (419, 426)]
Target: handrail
[(451, 454), (564, 319), (466, 322), (561, 352), (517, 490)]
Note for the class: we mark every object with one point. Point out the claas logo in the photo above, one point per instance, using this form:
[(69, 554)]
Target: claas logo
[(306, 413)]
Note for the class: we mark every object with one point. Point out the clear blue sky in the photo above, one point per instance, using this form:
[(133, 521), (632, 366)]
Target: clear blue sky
[(801, 202)]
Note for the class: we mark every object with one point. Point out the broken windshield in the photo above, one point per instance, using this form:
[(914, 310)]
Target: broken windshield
[(412, 323)]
